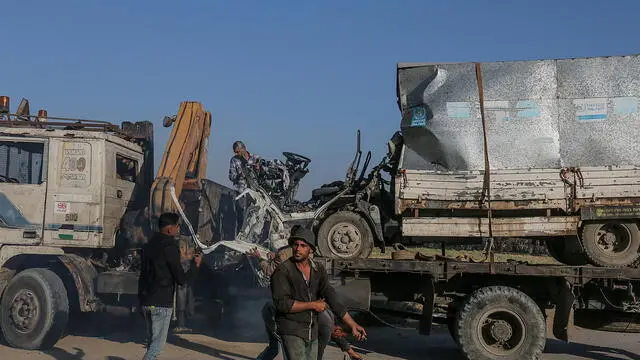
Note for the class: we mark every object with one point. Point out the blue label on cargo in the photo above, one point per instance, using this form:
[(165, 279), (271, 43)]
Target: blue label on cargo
[(590, 109), (418, 117), (459, 110), (528, 108)]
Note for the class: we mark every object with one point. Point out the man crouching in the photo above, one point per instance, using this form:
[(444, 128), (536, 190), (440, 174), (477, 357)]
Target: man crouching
[(299, 287)]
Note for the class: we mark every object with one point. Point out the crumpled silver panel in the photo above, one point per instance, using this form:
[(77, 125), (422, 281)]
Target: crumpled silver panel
[(540, 114)]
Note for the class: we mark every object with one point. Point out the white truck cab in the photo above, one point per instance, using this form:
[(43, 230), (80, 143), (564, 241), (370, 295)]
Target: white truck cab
[(64, 188)]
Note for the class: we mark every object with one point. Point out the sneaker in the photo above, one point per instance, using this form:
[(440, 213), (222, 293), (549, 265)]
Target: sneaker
[(181, 330)]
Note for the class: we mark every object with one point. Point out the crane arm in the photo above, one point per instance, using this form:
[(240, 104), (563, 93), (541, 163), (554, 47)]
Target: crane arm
[(184, 161)]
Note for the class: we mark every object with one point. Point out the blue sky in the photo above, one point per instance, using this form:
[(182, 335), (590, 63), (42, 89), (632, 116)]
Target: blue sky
[(296, 76)]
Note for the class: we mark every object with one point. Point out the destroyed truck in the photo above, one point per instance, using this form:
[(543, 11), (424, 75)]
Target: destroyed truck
[(78, 199), (345, 214), (541, 149)]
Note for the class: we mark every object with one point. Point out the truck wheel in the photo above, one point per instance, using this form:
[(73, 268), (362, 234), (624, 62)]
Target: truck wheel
[(499, 322), (35, 310), (613, 244), (345, 235)]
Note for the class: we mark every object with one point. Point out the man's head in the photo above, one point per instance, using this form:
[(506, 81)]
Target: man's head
[(239, 148), (169, 224), (302, 242)]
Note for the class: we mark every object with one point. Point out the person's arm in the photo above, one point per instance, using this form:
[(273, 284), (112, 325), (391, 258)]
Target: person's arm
[(327, 292), (342, 343), (142, 280), (233, 171), (172, 255), (283, 296)]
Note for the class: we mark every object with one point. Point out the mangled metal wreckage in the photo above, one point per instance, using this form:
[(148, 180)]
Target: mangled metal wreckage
[(346, 215)]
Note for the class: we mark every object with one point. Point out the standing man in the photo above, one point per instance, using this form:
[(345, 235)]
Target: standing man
[(184, 293), (161, 270), (299, 288), (240, 159)]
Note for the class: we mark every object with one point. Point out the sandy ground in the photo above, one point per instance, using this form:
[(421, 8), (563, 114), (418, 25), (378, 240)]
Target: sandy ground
[(114, 337)]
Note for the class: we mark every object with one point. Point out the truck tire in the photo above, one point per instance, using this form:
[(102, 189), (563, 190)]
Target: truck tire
[(612, 244), (345, 235), (35, 310), (495, 316)]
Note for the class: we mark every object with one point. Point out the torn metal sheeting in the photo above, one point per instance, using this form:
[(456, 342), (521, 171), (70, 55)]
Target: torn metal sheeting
[(540, 114)]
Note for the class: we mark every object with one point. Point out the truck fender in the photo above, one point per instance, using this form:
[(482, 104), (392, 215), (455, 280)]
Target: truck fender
[(17, 258), (84, 275), (12, 256), (564, 298), (371, 214)]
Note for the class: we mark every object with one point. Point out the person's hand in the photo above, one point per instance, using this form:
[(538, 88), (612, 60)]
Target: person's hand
[(271, 255), (197, 259), (353, 354), (338, 332), (358, 332), (319, 306), (254, 253)]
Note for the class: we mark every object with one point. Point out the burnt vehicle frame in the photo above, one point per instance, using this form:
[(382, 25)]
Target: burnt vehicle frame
[(347, 216)]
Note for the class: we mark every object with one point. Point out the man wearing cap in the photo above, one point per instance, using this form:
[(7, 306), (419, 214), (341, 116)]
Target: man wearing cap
[(299, 288)]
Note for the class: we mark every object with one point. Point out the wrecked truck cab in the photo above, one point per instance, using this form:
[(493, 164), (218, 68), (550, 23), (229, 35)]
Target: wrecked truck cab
[(346, 222)]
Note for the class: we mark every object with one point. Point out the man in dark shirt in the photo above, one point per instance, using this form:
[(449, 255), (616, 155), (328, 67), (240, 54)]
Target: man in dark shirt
[(326, 319), (299, 287), (161, 270)]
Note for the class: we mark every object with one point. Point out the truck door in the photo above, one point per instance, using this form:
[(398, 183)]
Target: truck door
[(73, 212), (23, 187), (120, 185)]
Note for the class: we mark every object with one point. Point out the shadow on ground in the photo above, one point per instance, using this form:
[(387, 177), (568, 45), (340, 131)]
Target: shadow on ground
[(121, 326), (244, 324), (588, 351)]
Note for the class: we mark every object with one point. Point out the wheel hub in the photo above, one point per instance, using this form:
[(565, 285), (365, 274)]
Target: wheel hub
[(24, 311), (501, 330), (344, 239), (613, 239)]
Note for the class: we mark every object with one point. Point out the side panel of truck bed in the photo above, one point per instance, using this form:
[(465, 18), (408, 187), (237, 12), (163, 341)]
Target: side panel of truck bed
[(517, 189)]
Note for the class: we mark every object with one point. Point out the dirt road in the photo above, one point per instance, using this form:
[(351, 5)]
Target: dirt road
[(118, 338)]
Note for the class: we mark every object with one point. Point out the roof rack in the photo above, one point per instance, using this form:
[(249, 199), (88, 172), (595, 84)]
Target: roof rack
[(59, 123)]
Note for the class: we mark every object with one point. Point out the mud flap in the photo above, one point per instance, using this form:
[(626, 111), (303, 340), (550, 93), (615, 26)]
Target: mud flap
[(83, 274), (564, 299), (426, 319)]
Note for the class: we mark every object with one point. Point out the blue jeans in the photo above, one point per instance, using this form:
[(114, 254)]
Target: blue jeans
[(157, 320)]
